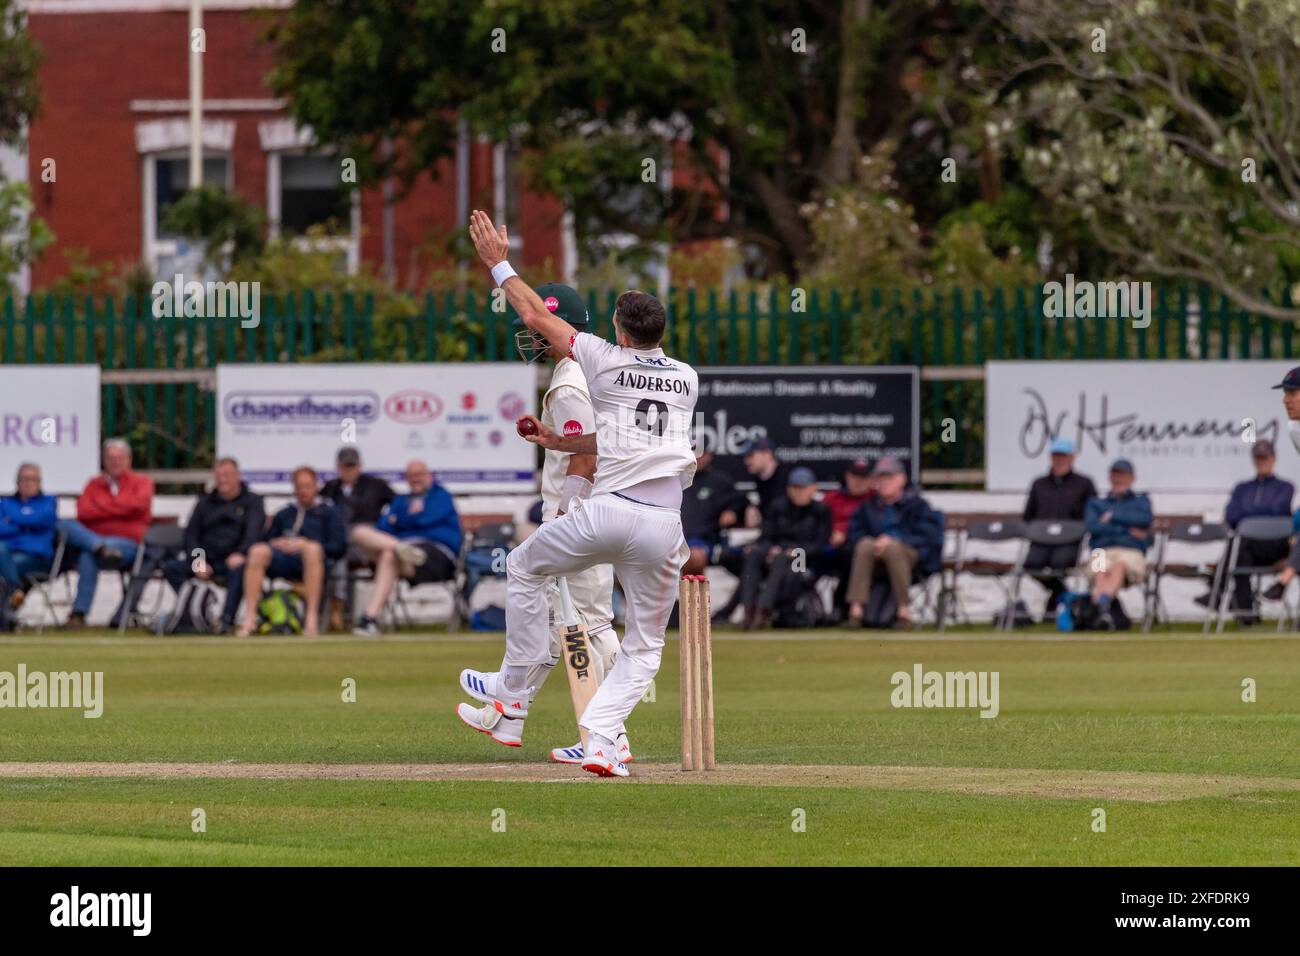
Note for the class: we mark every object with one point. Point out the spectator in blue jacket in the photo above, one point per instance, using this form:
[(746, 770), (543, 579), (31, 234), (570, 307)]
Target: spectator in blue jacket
[(304, 536), (417, 537), (892, 535), (1265, 495), (1119, 525), (27, 520)]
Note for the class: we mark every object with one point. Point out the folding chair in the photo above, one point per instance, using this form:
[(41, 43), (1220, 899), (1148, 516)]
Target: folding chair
[(168, 538), (1050, 533), (42, 581), (1185, 533), (997, 531), (1270, 529)]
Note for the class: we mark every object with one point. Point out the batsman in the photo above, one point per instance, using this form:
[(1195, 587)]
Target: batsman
[(566, 476)]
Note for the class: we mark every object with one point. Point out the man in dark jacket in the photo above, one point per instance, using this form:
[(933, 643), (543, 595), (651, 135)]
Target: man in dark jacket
[(795, 529), (361, 499), (709, 505), (1060, 495), (303, 537), (1119, 525), (224, 524), (1265, 495), (893, 535)]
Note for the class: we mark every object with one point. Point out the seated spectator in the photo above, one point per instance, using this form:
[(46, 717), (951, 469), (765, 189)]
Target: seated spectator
[(710, 505), (27, 520), (303, 536), (1265, 495), (223, 525), (113, 513), (770, 479), (1060, 495), (795, 529), (1119, 525), (360, 498), (893, 534), (843, 502), (417, 537)]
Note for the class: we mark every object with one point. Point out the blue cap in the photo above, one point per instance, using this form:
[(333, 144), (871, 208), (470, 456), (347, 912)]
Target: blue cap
[(758, 444), (1062, 446), (1291, 380), (802, 478), (1122, 464)]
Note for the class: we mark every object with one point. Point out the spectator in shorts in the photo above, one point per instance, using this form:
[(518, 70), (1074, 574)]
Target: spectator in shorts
[(1119, 524), (892, 535), (27, 519), (303, 537), (837, 559), (1060, 495), (361, 499), (224, 524), (795, 529), (113, 513), (417, 537), (709, 506)]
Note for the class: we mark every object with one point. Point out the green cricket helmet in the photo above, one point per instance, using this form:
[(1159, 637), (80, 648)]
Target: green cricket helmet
[(561, 300)]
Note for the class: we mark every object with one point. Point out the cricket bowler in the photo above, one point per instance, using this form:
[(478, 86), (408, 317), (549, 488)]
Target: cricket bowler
[(644, 403), (566, 410)]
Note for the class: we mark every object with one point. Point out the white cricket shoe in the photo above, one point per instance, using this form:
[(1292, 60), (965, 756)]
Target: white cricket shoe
[(567, 754), (486, 720), (489, 688), (574, 754), (603, 760)]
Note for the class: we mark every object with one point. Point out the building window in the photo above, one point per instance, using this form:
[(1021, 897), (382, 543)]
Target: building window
[(166, 178), (172, 178), (312, 194), (305, 189)]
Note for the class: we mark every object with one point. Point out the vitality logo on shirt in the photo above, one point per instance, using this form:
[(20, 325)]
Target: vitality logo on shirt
[(572, 428)]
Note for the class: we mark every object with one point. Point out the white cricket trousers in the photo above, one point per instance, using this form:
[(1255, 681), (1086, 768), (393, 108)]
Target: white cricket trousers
[(644, 543)]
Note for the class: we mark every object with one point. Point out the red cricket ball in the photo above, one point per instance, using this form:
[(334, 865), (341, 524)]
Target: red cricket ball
[(526, 427)]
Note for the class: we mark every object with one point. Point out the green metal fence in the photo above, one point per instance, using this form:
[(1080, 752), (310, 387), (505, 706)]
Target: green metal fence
[(169, 414)]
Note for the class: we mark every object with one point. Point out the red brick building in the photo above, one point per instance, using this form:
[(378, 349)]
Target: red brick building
[(109, 148)]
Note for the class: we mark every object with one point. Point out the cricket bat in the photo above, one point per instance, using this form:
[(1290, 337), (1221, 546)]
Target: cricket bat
[(575, 648)]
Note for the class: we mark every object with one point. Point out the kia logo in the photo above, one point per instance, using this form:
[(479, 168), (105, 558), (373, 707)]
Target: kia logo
[(413, 407)]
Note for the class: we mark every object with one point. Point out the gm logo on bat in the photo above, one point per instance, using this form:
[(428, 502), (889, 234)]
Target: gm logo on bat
[(576, 647)]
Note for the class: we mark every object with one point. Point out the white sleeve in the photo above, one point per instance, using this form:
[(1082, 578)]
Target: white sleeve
[(591, 353), (571, 411), (1293, 428)]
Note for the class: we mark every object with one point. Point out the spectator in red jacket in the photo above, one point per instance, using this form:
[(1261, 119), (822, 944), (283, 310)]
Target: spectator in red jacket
[(113, 513), (837, 559)]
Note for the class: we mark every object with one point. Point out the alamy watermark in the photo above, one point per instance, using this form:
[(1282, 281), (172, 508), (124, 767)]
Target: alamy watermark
[(193, 299), (1102, 300), (78, 690), (951, 689)]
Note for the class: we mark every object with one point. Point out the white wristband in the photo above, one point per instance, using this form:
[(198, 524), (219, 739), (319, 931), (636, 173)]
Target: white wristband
[(501, 272)]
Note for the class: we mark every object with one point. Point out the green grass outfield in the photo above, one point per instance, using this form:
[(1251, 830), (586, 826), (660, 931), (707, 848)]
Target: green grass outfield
[(1151, 730)]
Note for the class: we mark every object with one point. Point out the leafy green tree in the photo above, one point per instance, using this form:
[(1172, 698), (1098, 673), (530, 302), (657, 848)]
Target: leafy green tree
[(794, 93)]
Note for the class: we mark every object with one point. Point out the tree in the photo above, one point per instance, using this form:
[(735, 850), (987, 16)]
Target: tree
[(19, 93), (776, 102), (1169, 128)]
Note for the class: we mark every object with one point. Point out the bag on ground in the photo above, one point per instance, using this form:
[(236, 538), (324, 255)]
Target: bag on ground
[(280, 612)]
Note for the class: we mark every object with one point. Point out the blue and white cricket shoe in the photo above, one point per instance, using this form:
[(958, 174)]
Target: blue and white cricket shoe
[(574, 754), (488, 687)]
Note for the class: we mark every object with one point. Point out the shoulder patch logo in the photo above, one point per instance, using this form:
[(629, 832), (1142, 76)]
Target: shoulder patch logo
[(572, 428)]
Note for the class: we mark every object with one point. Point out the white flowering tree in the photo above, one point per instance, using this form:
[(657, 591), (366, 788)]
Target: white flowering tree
[(1172, 128)]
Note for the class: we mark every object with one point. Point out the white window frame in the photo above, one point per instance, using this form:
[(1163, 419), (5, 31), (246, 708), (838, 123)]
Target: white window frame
[(155, 248), (499, 186), (351, 243)]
